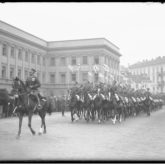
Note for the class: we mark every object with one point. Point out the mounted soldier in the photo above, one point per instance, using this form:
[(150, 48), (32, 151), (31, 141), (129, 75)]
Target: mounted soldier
[(113, 88), (33, 83), (148, 100)]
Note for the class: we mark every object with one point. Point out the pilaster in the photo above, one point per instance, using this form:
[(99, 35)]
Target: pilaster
[(23, 64), (8, 61), (0, 58), (16, 61)]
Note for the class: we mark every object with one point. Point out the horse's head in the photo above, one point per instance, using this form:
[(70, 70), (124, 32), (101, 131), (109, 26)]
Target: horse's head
[(18, 86)]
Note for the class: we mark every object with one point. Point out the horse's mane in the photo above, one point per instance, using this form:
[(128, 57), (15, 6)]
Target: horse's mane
[(22, 85)]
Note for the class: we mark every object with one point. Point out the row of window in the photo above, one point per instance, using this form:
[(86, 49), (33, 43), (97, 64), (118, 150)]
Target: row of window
[(20, 55), (73, 76), (52, 59), (96, 61)]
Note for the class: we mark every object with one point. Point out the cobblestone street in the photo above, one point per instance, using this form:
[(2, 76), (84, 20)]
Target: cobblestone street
[(139, 138)]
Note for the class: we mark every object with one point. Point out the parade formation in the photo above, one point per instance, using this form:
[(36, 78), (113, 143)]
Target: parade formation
[(89, 101), (116, 101)]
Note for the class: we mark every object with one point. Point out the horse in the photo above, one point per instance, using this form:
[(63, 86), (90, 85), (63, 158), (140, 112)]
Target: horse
[(89, 111), (74, 106), (27, 103), (147, 105), (97, 100)]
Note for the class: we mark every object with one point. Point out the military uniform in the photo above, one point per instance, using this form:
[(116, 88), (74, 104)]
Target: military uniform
[(32, 83)]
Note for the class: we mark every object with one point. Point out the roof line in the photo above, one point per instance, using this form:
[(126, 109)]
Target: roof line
[(85, 39), (22, 30)]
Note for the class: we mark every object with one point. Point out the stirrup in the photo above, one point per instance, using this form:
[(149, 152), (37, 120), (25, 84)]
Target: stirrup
[(39, 106)]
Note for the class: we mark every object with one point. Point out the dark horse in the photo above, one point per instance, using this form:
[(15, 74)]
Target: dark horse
[(27, 104)]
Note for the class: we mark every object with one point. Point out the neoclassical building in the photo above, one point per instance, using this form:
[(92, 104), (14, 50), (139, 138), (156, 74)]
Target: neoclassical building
[(154, 71), (58, 63)]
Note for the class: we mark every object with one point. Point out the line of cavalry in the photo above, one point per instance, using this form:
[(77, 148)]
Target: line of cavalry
[(90, 102)]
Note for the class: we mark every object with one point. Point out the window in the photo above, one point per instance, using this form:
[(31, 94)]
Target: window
[(26, 74), (85, 60), (63, 61), (38, 60), (43, 77), (96, 77), (20, 54), (4, 50), (52, 61), (12, 52), (33, 59), (44, 61), (38, 75), (84, 76), (11, 73), (73, 62), (19, 73), (26, 57), (52, 78), (73, 77), (96, 60), (106, 60), (63, 78), (4, 70)]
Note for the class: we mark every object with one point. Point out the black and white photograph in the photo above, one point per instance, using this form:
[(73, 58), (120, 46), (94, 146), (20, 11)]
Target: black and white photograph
[(82, 82)]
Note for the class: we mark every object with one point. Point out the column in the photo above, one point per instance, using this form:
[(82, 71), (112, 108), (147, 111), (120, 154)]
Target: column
[(23, 64), (30, 58), (1, 58), (41, 67), (16, 61), (35, 57), (8, 61)]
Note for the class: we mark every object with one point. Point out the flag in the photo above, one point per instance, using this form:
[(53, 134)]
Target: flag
[(70, 68), (95, 68), (106, 68), (89, 73)]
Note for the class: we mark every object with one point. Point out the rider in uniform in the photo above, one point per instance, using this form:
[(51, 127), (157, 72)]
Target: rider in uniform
[(148, 100), (33, 84), (113, 88)]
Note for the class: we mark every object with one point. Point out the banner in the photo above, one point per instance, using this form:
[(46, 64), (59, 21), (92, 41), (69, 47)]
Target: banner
[(74, 68), (96, 68), (89, 73), (70, 68), (106, 68)]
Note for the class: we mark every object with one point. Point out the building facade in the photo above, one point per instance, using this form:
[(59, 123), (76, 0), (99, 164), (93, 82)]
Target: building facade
[(154, 73), (58, 63)]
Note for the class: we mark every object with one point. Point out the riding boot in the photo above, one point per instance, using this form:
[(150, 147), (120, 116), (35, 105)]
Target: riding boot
[(39, 104)]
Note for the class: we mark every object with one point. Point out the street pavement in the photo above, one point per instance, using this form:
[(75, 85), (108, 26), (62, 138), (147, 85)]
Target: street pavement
[(137, 138)]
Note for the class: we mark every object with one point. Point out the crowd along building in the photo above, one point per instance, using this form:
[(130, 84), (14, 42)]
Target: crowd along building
[(58, 63)]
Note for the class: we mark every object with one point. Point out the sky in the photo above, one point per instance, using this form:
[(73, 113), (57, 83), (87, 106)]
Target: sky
[(138, 29)]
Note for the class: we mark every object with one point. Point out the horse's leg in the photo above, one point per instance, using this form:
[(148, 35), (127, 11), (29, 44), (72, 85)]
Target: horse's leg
[(29, 122), (20, 124), (99, 111), (41, 129), (44, 125)]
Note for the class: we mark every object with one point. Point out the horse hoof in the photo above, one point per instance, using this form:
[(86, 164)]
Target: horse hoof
[(33, 133), (39, 133), (18, 137)]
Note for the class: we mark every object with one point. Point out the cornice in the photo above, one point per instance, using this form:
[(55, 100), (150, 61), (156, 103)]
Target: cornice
[(45, 48), (23, 40), (85, 47)]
